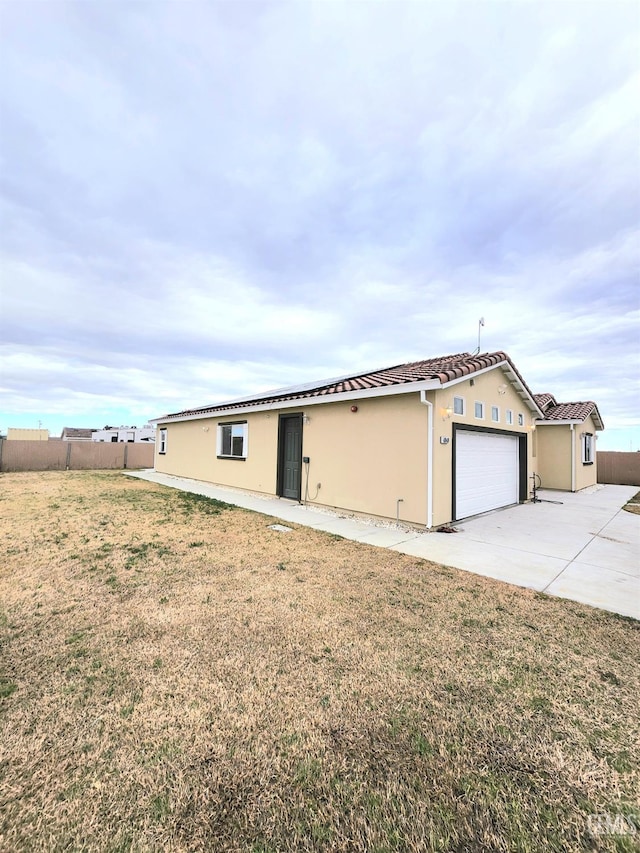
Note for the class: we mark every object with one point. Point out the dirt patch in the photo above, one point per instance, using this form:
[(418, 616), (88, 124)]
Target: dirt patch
[(634, 504), (174, 675)]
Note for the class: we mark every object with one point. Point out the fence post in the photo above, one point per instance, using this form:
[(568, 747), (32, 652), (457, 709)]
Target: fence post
[(1, 444), (126, 453), (69, 443)]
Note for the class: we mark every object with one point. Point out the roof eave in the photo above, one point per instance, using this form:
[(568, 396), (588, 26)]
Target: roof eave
[(559, 422), (599, 425), (513, 377), (302, 402)]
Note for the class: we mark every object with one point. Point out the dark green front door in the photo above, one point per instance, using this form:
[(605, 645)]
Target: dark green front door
[(290, 456)]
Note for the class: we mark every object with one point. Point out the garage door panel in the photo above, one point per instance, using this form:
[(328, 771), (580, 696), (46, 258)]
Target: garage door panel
[(487, 469)]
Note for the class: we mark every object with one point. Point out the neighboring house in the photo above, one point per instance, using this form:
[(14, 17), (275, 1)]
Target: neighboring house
[(130, 434), (18, 434), (76, 434), (566, 443), (432, 441)]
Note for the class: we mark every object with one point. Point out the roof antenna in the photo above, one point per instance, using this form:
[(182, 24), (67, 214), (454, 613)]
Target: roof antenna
[(480, 325)]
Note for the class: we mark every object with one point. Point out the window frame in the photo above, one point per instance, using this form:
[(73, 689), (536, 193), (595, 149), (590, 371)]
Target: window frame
[(520, 419), (588, 447), (480, 416), (463, 407), (495, 410), (220, 440), (162, 442), (509, 417)]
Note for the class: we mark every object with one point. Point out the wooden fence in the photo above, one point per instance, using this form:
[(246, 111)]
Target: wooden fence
[(56, 455), (621, 469)]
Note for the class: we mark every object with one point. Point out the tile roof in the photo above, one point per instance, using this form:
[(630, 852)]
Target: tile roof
[(545, 400), (574, 412), (443, 369)]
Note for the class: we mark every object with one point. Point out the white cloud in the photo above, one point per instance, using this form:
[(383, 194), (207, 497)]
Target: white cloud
[(207, 200)]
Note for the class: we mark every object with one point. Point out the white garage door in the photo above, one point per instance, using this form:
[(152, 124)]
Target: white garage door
[(486, 472)]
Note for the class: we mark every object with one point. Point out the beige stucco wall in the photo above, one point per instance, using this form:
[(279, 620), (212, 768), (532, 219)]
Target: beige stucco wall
[(553, 462), (369, 459), (191, 452), (492, 389), (365, 460), (554, 456), (586, 475)]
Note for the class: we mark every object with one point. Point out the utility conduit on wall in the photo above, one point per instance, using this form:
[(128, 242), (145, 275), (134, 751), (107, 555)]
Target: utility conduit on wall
[(424, 401)]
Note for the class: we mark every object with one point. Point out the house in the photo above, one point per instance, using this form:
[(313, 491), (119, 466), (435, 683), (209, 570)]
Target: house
[(130, 434), (428, 442), (76, 434), (19, 434), (566, 443)]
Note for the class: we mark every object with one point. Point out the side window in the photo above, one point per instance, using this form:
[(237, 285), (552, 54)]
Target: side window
[(495, 414), (232, 440), (479, 410), (520, 419), (509, 416), (163, 441), (458, 405), (587, 449)]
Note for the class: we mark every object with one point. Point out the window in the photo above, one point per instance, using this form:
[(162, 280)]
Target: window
[(163, 441), (114, 439), (495, 414), (479, 410), (587, 448), (520, 419), (458, 405), (232, 441), (509, 416)]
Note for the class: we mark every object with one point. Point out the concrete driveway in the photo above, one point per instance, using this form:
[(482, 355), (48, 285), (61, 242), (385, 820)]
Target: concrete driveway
[(585, 548)]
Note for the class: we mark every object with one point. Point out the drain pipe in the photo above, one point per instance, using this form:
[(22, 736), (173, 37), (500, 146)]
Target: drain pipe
[(424, 401), (573, 458)]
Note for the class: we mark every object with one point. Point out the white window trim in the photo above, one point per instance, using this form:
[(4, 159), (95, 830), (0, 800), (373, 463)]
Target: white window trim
[(495, 409), (509, 417), (245, 440), (480, 416), (520, 419), (588, 442), (464, 408), (162, 445)]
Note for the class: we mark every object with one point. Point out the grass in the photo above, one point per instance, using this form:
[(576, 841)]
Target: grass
[(634, 504), (176, 676)]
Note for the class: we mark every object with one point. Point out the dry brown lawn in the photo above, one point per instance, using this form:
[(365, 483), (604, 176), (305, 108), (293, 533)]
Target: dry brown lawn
[(174, 676)]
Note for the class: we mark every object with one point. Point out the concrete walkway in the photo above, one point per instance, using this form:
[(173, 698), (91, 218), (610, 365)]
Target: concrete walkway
[(585, 549)]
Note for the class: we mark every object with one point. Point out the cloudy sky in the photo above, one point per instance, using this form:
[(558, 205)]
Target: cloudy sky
[(205, 200)]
